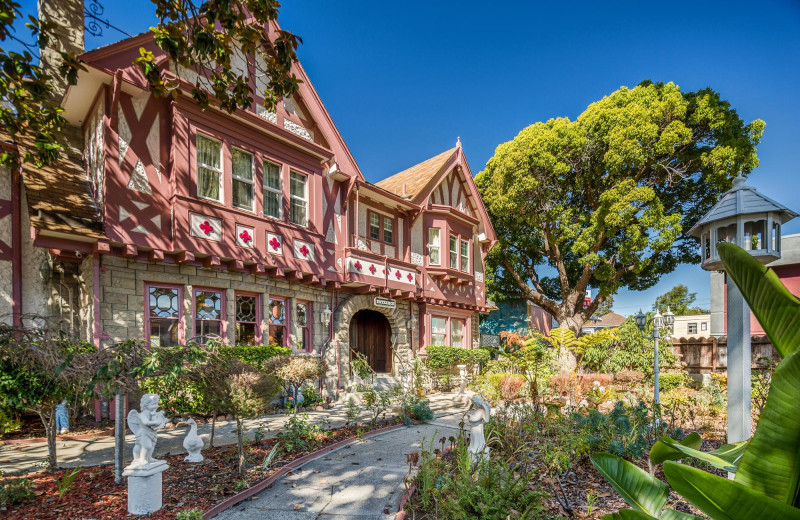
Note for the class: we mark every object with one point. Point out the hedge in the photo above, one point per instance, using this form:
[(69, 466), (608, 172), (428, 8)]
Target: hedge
[(439, 357), (255, 355)]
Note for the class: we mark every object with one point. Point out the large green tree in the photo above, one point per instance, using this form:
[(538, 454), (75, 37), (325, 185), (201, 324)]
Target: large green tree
[(210, 38), (606, 201), (679, 300)]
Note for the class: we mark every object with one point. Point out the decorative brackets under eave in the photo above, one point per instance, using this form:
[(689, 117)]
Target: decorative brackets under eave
[(184, 257), (156, 255)]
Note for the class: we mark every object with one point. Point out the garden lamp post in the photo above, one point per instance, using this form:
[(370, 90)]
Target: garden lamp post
[(752, 221), (659, 322)]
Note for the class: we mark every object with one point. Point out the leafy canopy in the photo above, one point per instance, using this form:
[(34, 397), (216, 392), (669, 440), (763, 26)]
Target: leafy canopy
[(234, 50), (606, 201), (679, 300)]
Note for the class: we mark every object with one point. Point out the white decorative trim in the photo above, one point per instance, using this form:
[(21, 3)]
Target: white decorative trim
[(274, 244), (303, 250), (297, 129), (479, 276), (139, 181), (245, 232), (266, 115), (205, 227), (417, 259)]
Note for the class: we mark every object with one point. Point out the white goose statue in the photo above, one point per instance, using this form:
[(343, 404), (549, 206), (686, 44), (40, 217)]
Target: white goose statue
[(193, 443)]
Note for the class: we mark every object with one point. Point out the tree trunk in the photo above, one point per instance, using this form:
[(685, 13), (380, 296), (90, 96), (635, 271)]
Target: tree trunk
[(240, 444), (213, 427), (50, 432)]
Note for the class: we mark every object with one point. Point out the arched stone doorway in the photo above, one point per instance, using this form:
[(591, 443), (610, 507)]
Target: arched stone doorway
[(370, 335)]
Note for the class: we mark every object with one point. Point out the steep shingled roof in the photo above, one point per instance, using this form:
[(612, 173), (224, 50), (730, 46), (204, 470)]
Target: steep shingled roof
[(417, 177)]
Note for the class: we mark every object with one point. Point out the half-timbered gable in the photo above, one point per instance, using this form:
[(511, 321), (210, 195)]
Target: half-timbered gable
[(168, 223)]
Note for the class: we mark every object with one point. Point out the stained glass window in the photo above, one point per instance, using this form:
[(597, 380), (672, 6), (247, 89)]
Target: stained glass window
[(247, 327), (208, 315), (164, 314), (277, 321), (303, 339)]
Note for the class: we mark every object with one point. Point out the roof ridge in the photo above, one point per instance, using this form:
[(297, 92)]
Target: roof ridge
[(412, 180)]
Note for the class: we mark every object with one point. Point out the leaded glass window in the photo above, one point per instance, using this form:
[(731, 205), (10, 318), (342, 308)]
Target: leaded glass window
[(302, 313), (277, 321), (164, 315), (247, 332), (208, 315)]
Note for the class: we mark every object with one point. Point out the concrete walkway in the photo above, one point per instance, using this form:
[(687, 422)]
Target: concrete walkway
[(361, 481), (29, 457)]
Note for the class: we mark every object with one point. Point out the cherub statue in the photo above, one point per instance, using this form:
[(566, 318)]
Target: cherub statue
[(477, 417), (144, 424)]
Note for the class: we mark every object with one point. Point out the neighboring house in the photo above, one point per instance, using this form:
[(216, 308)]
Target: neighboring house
[(517, 315), (694, 326), (606, 321), (788, 270), (167, 223)]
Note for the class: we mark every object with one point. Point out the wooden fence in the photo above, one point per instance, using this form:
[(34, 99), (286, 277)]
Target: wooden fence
[(705, 355)]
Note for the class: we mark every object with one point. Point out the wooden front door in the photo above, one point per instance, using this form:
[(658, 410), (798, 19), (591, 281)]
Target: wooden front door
[(370, 334)]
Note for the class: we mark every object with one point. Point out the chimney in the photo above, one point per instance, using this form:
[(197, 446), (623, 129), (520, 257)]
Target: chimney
[(66, 36)]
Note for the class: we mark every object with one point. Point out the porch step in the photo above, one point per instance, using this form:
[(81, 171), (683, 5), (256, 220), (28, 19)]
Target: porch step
[(387, 382)]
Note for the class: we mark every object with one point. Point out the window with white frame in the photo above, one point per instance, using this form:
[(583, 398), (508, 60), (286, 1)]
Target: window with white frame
[(438, 331), (457, 333), (388, 230), (434, 246), (242, 179), (704, 326), (298, 199), (692, 328), (465, 255), (273, 193), (454, 252), (374, 226), (209, 168)]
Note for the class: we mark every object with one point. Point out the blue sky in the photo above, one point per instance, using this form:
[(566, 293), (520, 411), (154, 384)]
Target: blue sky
[(402, 80)]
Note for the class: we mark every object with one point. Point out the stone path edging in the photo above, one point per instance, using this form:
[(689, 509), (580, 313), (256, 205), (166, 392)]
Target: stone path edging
[(401, 513), (247, 493)]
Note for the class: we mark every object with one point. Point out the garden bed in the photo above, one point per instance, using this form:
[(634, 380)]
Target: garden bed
[(210, 484)]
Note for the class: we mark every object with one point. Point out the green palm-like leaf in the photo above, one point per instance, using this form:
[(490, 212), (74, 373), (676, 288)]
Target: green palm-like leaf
[(671, 514), (770, 464), (639, 489), (725, 457), (662, 451), (723, 499), (631, 514), (777, 310)]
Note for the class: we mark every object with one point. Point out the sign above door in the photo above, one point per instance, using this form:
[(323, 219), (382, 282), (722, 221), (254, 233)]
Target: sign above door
[(386, 303)]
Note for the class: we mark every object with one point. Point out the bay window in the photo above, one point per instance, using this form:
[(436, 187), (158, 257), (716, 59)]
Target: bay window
[(277, 321), (208, 306), (242, 179), (209, 167), (438, 331), (453, 252), (164, 316), (457, 333), (465, 255), (247, 325), (434, 246), (298, 199)]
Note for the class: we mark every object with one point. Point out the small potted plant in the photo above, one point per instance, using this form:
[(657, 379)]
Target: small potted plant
[(419, 375)]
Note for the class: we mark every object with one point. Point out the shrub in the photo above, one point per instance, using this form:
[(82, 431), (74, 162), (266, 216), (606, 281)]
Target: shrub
[(295, 370), (672, 380), (377, 402), (417, 409), (190, 514), (8, 423), (587, 381), (14, 491), (300, 435), (628, 378), (311, 396), (507, 386), (256, 355), (449, 488), (442, 357), (178, 396)]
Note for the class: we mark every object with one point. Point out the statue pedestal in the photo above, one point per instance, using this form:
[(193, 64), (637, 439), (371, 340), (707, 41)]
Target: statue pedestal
[(145, 487)]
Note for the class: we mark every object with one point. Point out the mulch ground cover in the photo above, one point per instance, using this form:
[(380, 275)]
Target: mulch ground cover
[(32, 428), (93, 494)]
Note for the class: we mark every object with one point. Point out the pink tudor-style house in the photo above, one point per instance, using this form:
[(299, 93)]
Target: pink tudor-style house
[(168, 224)]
